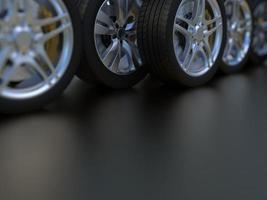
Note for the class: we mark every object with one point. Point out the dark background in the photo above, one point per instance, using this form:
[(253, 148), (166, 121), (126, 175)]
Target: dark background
[(152, 142)]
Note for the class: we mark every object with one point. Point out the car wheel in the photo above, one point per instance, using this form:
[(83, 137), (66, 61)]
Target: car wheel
[(40, 46), (182, 40), (110, 43), (259, 45), (239, 35)]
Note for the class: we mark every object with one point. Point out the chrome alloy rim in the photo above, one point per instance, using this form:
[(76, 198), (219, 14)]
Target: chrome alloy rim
[(239, 34), (260, 32), (36, 45), (197, 35), (116, 36)]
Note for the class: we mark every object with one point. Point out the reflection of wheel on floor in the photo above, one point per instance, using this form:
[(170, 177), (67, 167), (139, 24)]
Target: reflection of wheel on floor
[(110, 43), (259, 48), (182, 40), (239, 35), (39, 51)]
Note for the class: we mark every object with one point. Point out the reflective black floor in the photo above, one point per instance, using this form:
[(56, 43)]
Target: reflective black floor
[(152, 142)]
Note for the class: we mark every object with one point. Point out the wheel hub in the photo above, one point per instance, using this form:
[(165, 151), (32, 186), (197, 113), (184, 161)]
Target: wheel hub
[(121, 33), (23, 38), (233, 27), (198, 33)]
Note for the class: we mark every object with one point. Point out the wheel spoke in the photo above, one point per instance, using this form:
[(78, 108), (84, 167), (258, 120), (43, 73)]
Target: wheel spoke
[(190, 57), (39, 70), (131, 27), (229, 47), (47, 36), (3, 12), (187, 51), (45, 58), (111, 53), (122, 7), (104, 30), (115, 64), (236, 10), (28, 6), (4, 57), (135, 53), (183, 31), (213, 30), (13, 7), (31, 9), (50, 20), (6, 77), (104, 18), (4, 5), (204, 53), (2, 38), (132, 33), (244, 25), (17, 6), (187, 57), (184, 20), (22, 5), (208, 52), (199, 10), (217, 19), (127, 59), (2, 23), (238, 43)]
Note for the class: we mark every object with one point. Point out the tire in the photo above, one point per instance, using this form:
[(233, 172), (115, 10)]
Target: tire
[(94, 67), (232, 63), (22, 100), (156, 43), (255, 56)]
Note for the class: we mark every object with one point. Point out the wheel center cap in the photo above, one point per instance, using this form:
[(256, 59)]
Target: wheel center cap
[(23, 38), (121, 33), (199, 33), (233, 27)]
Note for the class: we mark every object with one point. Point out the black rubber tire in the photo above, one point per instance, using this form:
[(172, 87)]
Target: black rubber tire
[(10, 106), (156, 46), (93, 70), (254, 57), (88, 75), (228, 69)]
